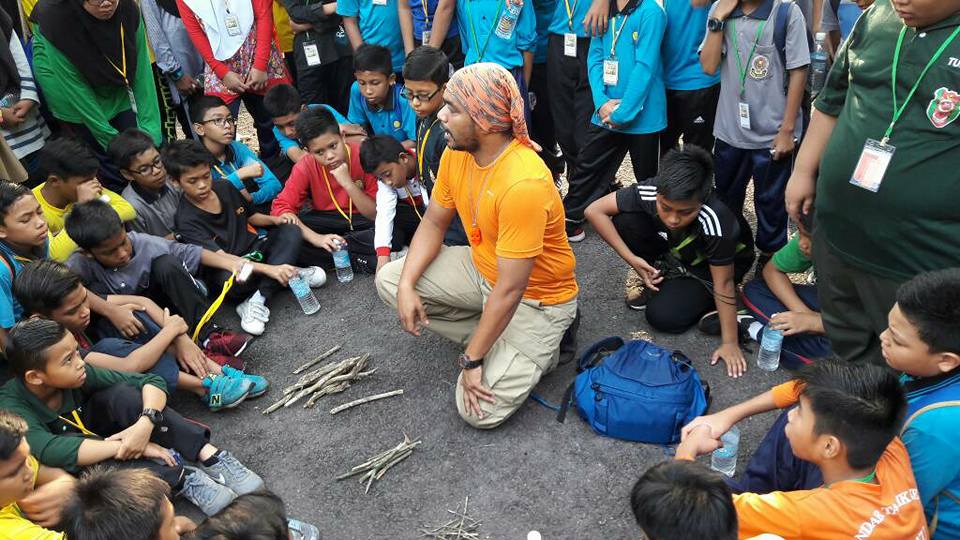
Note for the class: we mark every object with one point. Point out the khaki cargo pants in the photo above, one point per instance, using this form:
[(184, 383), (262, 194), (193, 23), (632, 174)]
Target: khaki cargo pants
[(453, 293)]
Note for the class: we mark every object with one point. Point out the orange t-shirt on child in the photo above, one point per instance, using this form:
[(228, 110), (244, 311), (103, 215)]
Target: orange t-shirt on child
[(519, 215), (888, 508)]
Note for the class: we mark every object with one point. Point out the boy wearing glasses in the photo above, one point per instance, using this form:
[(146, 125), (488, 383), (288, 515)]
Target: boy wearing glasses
[(235, 162), (149, 191)]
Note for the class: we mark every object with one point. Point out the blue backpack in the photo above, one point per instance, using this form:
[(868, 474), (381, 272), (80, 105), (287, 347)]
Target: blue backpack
[(636, 391)]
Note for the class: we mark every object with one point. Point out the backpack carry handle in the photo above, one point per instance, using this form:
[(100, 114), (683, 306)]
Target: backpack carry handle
[(595, 352)]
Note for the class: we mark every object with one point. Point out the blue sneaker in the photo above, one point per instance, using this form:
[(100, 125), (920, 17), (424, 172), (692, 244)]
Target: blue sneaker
[(300, 530), (260, 384), (224, 392)]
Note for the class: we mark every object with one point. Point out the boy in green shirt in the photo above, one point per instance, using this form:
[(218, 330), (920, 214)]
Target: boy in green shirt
[(79, 415)]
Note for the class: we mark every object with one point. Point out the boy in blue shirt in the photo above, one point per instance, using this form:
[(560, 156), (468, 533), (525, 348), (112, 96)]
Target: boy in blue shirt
[(542, 128), (235, 162), (691, 94), (376, 100), (375, 22), (478, 22), (626, 79), (284, 104), (420, 25), (571, 104), (757, 123)]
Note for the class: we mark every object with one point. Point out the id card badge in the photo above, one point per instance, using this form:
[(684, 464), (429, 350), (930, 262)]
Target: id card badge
[(311, 53), (611, 71), (133, 100), (744, 115), (570, 45), (379, 2), (426, 37), (872, 165), (232, 24)]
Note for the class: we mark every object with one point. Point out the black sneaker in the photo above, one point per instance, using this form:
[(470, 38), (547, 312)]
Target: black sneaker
[(710, 324), (575, 233), (638, 302), (568, 344)]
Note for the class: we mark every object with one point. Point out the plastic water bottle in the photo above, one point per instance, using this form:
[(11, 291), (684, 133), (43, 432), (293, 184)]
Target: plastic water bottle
[(508, 20), (303, 293), (818, 65), (768, 358), (341, 259), (724, 459)]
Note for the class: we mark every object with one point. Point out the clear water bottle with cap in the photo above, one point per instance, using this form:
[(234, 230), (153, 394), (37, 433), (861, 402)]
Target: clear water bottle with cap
[(818, 65), (508, 19), (768, 358), (303, 293), (341, 260), (724, 459)]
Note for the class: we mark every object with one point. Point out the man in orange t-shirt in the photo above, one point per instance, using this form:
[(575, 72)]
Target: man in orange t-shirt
[(510, 297), (844, 420)]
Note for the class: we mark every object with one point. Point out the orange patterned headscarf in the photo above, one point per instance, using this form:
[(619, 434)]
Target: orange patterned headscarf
[(489, 94)]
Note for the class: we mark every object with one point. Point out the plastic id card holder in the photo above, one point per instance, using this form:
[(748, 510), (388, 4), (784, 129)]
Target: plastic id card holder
[(232, 24), (311, 53), (426, 37), (379, 2), (872, 165), (744, 113), (570, 45), (611, 71)]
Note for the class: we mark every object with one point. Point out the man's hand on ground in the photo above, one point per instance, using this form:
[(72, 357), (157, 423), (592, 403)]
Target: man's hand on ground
[(473, 391), (410, 308), (732, 355)]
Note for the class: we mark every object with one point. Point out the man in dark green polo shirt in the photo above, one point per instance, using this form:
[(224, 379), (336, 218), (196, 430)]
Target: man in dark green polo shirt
[(889, 166)]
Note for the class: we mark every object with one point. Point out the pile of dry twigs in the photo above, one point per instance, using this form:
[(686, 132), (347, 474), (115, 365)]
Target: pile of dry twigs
[(331, 378), (377, 466), (461, 527)]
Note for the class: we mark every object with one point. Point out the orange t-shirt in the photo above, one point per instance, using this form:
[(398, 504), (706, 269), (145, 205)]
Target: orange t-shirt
[(520, 216), (888, 509)]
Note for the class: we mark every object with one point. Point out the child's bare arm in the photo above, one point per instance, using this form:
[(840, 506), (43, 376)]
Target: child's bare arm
[(781, 287)]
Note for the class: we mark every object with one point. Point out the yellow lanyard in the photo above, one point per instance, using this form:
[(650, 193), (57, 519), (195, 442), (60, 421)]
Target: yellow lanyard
[(349, 218), (123, 53), (570, 10), (616, 35), (219, 170), (212, 310), (413, 201), (426, 14), (79, 424), (423, 146)]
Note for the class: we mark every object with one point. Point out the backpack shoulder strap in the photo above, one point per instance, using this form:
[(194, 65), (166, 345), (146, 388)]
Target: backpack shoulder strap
[(8, 263), (781, 22), (928, 408)]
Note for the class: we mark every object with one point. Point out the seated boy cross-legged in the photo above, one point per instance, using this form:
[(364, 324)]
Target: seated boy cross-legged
[(843, 420), (49, 289), (341, 194), (31, 494), (401, 198), (214, 216), (114, 262), (80, 415)]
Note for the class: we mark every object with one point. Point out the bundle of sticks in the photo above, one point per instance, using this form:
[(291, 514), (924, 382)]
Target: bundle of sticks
[(377, 466), (329, 379), (461, 527)]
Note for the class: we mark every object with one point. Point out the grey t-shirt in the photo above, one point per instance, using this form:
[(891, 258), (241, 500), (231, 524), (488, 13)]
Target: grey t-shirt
[(134, 278), (154, 212), (765, 85)]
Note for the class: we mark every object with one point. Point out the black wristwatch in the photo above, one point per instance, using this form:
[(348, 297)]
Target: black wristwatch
[(467, 363), (155, 416), (715, 25)]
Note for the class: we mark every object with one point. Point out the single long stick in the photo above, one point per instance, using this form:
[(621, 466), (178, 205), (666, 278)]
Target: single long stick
[(361, 401), (316, 360)]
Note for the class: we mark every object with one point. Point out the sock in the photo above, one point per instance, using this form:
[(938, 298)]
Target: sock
[(212, 460), (257, 297), (754, 330)]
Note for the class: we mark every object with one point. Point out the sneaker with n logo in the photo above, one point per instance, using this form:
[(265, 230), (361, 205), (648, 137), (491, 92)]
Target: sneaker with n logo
[(224, 392)]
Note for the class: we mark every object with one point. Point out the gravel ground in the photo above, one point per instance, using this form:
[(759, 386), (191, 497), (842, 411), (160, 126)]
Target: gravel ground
[(532, 473)]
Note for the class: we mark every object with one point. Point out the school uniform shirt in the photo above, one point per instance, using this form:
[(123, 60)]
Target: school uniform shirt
[(910, 225), (887, 509), (643, 108), (790, 260), (766, 76), (262, 189), (229, 230), (10, 309), (686, 26), (155, 211), (310, 180), (931, 441), (431, 142), (544, 10), (413, 195), (15, 525), (135, 276), (519, 215), (286, 143), (379, 24), (62, 245), (568, 18), (477, 20), (52, 441), (396, 118), (717, 237), (423, 12)]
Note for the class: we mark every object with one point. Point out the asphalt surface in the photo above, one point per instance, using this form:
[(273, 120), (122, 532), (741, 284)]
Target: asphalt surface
[(532, 473)]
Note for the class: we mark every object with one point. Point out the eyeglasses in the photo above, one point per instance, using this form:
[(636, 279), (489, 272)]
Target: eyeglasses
[(422, 98), (155, 165), (221, 122), (100, 3)]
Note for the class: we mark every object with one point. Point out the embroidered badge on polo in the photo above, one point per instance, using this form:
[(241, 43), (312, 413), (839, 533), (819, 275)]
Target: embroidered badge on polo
[(759, 67), (396, 123), (944, 107)]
